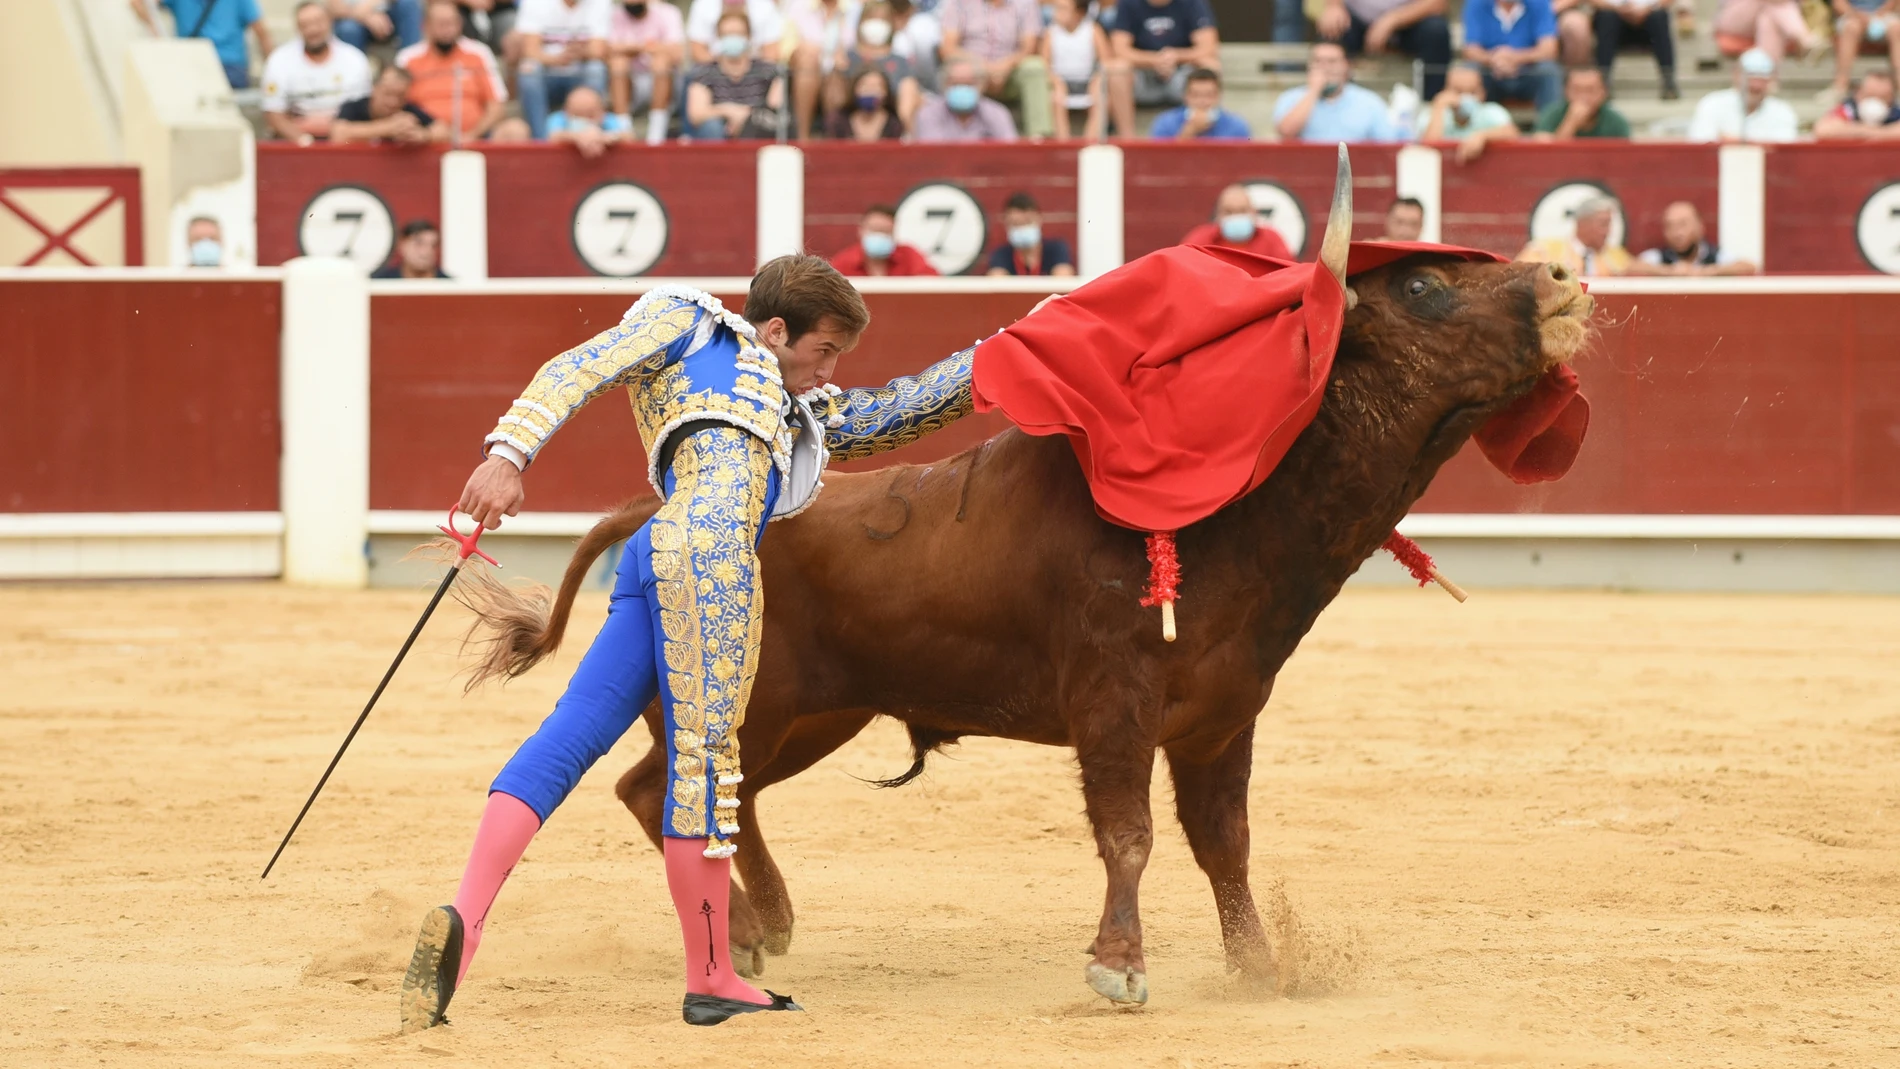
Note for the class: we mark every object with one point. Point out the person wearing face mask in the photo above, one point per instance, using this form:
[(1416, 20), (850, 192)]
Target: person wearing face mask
[(1200, 116), (453, 77), (1330, 108), (1237, 225), (307, 80), (1025, 251), (763, 16), (871, 115), (645, 46), (877, 251), (962, 112), (873, 52), (737, 417), (1460, 113), (1869, 115), (204, 242), (736, 96)]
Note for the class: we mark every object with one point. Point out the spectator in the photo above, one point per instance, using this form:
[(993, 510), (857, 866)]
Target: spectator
[(418, 253), (877, 251), (872, 115), (1584, 111), (453, 76), (766, 24), (1619, 22), (359, 22), (1777, 27), (874, 52), (585, 123), (1157, 44), (1872, 21), (1404, 220), (646, 43), (916, 36), (1588, 251), (1075, 48), (1237, 225), (1750, 113), (738, 95), (563, 47), (1460, 113), (1870, 116), (1685, 250), (1201, 115), (1027, 252), (1576, 37), (1373, 27), (1514, 44), (818, 34), (962, 113), (1002, 37), (511, 131), (307, 80), (492, 22), (385, 114), (204, 242), (1330, 107), (222, 22)]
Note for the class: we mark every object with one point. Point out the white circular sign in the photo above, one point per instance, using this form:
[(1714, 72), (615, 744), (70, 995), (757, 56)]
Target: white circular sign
[(620, 229), (348, 221), (1878, 229), (946, 222), (1555, 215), (1275, 206)]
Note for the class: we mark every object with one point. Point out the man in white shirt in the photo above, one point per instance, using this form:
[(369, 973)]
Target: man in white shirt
[(1750, 113), (563, 47), (307, 80), (1686, 250), (702, 27)]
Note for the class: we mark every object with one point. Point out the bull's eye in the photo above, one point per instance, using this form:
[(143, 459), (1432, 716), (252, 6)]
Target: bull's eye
[(1416, 287)]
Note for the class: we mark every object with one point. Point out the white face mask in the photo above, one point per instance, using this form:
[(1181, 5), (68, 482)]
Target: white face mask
[(1873, 110), (876, 32)]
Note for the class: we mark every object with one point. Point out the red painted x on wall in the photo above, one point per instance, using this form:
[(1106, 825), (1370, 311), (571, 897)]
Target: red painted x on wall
[(115, 185)]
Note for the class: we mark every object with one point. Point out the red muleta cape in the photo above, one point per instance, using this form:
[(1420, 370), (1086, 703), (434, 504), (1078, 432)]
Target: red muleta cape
[(1183, 377)]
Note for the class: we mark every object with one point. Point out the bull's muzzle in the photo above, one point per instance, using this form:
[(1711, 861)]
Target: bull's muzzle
[(1563, 312)]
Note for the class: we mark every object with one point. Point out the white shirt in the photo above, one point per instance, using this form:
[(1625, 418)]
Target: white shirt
[(1720, 114), (563, 27), (920, 37), (297, 85), (702, 22)]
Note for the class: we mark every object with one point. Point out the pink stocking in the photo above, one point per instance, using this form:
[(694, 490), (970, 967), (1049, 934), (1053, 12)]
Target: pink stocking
[(702, 890), (506, 829)]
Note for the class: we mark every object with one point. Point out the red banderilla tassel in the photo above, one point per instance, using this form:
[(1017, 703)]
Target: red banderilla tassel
[(1164, 576), (1419, 563)]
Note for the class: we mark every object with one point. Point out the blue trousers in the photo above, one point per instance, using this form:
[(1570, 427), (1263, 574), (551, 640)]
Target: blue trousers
[(1542, 83), (404, 15), (546, 88), (683, 623), (1427, 40)]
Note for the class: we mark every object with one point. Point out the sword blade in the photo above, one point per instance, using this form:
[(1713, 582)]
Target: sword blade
[(358, 726)]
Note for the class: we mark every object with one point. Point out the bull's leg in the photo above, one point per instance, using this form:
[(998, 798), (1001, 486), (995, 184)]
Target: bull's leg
[(811, 739), (1210, 797), (1117, 766)]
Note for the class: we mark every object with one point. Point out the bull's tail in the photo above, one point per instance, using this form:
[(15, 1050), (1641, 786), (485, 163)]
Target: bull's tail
[(923, 742), (518, 626)]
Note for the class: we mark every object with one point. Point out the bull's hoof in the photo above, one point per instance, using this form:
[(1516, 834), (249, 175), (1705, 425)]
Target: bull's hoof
[(1124, 987), (777, 943), (748, 962)]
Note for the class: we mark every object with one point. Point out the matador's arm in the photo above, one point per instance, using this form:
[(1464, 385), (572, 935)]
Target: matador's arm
[(868, 420), (570, 380)]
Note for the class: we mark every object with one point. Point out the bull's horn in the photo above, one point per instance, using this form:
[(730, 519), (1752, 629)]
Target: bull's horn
[(1338, 240)]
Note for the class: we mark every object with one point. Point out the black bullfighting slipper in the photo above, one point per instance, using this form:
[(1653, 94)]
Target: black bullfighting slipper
[(711, 1009), (430, 982)]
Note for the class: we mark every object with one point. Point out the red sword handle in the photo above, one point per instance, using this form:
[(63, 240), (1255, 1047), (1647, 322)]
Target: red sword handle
[(467, 542)]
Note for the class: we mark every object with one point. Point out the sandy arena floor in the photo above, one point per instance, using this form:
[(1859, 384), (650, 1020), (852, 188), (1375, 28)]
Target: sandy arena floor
[(1536, 829)]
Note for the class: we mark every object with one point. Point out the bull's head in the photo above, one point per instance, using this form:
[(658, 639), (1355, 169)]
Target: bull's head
[(1434, 344)]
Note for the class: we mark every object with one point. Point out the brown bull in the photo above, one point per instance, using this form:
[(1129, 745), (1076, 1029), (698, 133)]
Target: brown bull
[(982, 595)]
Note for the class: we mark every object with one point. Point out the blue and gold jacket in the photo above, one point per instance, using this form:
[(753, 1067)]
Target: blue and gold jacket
[(684, 358)]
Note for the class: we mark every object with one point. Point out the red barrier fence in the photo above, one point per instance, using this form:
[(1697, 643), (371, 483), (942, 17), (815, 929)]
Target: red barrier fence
[(137, 396), (1833, 208), (42, 224), (347, 200), (1168, 190)]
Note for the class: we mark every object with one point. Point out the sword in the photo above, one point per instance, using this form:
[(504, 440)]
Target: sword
[(467, 542)]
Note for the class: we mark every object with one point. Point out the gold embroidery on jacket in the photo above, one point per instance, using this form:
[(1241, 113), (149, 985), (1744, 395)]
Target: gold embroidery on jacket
[(865, 421)]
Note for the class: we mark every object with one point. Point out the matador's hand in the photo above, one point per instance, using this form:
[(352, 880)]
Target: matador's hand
[(492, 492)]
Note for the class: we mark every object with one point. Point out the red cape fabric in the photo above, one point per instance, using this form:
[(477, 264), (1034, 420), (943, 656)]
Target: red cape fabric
[(1155, 373)]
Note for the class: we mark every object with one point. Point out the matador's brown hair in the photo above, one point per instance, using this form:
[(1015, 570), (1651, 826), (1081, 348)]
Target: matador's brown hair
[(804, 291)]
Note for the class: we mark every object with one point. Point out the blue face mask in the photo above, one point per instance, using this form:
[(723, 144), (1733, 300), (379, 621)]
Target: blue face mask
[(206, 252), (870, 103), (1236, 228), (961, 98), (1048, 14), (877, 246), (1027, 236), (732, 45)]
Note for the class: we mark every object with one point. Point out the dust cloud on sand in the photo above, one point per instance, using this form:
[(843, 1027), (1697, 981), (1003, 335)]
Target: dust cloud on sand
[(1536, 829)]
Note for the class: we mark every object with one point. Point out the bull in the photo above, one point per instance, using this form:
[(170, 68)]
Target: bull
[(984, 596)]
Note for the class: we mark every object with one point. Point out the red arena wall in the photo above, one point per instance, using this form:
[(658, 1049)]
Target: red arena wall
[(1168, 190), (137, 396), (1488, 203), (407, 180), (1814, 201)]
